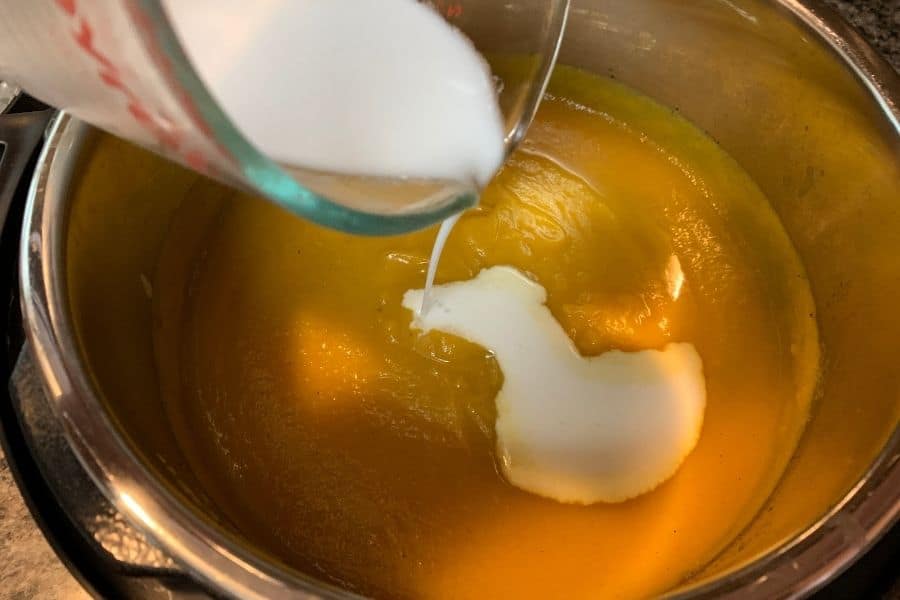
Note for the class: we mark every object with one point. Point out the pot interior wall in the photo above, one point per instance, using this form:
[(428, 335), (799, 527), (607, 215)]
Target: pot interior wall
[(122, 201), (828, 159), (780, 103)]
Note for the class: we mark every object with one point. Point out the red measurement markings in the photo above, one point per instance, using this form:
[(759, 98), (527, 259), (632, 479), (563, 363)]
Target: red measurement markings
[(158, 124), (68, 6), (448, 9), (162, 62), (194, 158)]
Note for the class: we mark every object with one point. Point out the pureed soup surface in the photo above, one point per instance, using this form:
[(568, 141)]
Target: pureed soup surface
[(357, 451)]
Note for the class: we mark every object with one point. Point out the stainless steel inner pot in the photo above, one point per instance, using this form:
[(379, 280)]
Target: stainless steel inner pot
[(791, 93)]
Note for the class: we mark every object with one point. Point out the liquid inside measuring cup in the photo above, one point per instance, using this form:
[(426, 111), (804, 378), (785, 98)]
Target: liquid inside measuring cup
[(361, 89)]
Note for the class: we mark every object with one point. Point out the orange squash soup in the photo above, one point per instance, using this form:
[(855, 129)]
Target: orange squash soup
[(362, 452)]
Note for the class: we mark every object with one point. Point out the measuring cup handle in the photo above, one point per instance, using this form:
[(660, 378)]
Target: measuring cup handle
[(19, 135)]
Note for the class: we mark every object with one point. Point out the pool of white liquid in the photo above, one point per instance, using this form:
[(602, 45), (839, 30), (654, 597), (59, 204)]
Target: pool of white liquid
[(582, 430)]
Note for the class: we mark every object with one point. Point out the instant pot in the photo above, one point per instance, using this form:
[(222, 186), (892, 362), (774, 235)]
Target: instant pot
[(87, 438)]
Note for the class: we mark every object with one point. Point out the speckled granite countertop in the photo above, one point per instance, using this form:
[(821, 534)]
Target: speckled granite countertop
[(28, 567), (878, 21)]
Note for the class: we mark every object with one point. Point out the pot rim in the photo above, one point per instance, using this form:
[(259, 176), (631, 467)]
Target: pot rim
[(9, 92), (817, 555)]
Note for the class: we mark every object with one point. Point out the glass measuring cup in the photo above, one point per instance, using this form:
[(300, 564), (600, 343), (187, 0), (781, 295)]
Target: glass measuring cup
[(120, 66)]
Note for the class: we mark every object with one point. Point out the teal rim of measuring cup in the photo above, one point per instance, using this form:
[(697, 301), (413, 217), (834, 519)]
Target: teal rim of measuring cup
[(261, 172)]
